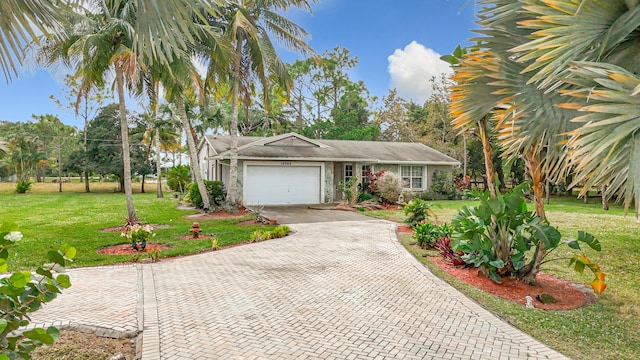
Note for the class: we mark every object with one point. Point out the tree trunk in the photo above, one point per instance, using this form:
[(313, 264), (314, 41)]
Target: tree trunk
[(124, 133), (530, 271), (605, 199), (85, 171), (59, 166), (233, 128), (488, 156), (159, 193), (193, 153), (142, 184), (464, 155)]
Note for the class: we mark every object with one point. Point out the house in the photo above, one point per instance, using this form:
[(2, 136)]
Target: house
[(293, 169)]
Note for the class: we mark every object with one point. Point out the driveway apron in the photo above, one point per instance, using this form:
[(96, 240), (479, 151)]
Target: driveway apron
[(344, 290)]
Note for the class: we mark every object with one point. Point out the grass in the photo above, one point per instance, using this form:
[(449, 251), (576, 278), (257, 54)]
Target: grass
[(606, 330), (49, 219)]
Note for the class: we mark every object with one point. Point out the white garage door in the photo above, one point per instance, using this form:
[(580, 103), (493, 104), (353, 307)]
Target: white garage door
[(282, 185)]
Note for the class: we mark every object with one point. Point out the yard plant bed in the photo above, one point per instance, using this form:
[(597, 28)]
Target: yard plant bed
[(568, 295), (126, 249)]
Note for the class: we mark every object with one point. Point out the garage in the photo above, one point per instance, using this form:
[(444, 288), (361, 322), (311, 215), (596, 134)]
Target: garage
[(282, 185)]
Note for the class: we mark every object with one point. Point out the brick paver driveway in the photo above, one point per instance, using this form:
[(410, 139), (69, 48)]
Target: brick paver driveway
[(330, 291)]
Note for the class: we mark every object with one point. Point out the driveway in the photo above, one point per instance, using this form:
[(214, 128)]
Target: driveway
[(303, 214), (332, 290)]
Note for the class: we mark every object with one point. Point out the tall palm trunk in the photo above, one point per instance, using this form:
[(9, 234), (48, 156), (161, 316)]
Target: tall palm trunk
[(233, 128), (124, 132), (488, 156), (159, 193), (534, 168), (155, 101), (193, 153)]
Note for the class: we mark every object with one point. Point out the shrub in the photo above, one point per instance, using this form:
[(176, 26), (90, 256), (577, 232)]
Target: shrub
[(23, 293), (215, 189), (389, 187), (366, 197), (350, 189), (497, 235), (418, 211), (278, 232), (444, 247), (22, 186), (427, 234), (443, 184), (178, 177)]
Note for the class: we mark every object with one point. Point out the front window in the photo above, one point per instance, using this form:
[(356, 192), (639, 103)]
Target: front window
[(348, 172), (366, 172), (412, 176)]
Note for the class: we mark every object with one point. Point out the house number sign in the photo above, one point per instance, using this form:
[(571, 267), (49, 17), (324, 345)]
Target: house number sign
[(285, 163)]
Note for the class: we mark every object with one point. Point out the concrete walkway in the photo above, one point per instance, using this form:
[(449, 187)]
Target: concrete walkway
[(342, 290)]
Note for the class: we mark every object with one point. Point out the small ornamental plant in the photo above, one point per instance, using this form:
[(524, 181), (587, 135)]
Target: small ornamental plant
[(138, 235)]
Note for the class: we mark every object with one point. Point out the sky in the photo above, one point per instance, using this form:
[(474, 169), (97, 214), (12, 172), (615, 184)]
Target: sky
[(398, 45)]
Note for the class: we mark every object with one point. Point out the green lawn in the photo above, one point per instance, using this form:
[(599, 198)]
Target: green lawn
[(50, 219), (606, 330)]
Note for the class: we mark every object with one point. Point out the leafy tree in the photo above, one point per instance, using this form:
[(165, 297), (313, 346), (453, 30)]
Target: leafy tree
[(393, 118), (104, 153)]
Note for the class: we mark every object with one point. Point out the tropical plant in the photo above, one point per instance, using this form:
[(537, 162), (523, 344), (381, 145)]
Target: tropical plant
[(443, 245), (178, 177), (427, 234), (23, 293), (247, 25), (22, 186), (278, 232), (349, 188), (138, 235), (498, 234), (418, 211)]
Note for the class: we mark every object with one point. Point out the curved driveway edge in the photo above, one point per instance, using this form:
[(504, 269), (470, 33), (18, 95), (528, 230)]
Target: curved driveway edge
[(343, 290)]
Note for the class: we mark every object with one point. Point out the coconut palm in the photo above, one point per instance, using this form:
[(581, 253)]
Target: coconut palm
[(249, 26), (156, 24), (20, 23), (100, 41)]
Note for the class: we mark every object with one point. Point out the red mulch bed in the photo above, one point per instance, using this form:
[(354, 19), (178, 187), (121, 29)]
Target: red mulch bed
[(126, 249), (405, 229), (122, 228), (252, 222), (569, 295)]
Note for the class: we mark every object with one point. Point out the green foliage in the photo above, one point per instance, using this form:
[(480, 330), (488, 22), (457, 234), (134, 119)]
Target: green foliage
[(442, 184), (278, 232), (497, 235), (22, 186), (418, 211), (389, 187), (178, 177), (215, 189), (23, 293), (349, 189), (427, 234)]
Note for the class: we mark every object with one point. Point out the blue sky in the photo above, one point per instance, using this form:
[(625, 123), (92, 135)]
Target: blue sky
[(397, 42)]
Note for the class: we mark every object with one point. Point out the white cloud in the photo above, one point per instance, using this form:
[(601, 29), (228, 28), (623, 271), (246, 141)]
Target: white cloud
[(411, 69)]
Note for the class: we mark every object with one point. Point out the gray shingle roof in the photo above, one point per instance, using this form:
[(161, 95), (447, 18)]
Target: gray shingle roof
[(305, 149)]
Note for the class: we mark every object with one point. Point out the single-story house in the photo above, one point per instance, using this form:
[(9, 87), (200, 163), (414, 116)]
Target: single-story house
[(293, 169)]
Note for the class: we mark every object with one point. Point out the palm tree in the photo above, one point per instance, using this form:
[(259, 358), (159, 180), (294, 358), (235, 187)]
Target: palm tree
[(19, 25), (101, 41), (156, 24), (126, 36), (589, 52), (248, 25), (184, 79)]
